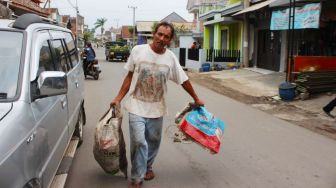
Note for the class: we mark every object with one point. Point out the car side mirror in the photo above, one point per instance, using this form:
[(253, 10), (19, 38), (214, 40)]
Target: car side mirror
[(51, 83)]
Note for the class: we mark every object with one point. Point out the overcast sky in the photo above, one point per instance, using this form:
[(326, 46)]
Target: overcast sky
[(118, 13)]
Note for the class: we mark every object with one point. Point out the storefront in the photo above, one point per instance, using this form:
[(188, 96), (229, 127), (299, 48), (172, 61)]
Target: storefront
[(313, 43)]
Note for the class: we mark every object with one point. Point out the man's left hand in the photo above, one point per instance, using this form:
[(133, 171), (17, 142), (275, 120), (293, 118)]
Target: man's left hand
[(199, 102)]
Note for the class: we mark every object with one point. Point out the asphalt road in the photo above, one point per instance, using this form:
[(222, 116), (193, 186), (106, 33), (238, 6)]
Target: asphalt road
[(258, 150)]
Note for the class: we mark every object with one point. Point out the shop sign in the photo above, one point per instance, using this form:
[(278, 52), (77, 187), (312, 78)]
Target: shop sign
[(307, 16)]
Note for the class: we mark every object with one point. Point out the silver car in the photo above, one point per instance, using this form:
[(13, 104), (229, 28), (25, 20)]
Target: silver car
[(41, 100)]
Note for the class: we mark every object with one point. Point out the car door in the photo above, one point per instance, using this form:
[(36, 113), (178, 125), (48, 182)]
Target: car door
[(75, 81), (74, 73), (51, 113)]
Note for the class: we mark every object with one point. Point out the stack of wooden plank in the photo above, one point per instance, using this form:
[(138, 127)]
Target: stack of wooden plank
[(316, 82)]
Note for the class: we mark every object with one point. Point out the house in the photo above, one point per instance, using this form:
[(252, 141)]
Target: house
[(145, 29), (20, 7), (268, 43), (115, 33), (173, 17), (107, 35), (221, 31), (195, 7), (70, 23), (273, 45), (54, 14), (126, 34)]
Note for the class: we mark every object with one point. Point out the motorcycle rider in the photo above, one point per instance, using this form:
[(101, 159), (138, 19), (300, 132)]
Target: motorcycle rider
[(90, 57)]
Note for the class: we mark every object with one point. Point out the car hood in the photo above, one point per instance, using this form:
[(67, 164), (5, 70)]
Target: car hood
[(4, 109)]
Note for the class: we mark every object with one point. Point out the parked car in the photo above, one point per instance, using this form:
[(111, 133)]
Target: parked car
[(116, 51), (41, 100)]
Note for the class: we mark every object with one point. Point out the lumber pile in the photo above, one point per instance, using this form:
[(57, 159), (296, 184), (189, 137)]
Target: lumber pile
[(316, 82)]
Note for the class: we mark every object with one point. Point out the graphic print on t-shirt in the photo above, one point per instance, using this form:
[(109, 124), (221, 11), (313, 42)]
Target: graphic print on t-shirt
[(151, 83)]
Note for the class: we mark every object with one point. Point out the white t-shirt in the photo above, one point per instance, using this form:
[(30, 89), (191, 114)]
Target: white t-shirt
[(151, 72)]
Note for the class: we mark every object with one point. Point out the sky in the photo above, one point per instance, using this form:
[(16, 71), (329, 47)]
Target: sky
[(118, 13)]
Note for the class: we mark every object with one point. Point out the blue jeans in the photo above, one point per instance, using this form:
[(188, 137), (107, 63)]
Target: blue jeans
[(145, 139)]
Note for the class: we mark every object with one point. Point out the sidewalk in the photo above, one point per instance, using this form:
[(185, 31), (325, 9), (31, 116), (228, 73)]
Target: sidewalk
[(262, 85), (259, 82)]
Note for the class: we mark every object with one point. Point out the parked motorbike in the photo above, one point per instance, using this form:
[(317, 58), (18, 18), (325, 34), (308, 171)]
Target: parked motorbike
[(91, 70)]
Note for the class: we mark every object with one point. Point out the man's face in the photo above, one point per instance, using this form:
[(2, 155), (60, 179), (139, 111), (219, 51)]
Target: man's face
[(162, 37)]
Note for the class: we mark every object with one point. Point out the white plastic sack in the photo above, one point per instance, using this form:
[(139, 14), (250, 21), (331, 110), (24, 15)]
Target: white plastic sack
[(109, 146)]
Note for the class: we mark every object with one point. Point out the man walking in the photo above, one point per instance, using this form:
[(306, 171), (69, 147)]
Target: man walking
[(329, 107), (149, 68)]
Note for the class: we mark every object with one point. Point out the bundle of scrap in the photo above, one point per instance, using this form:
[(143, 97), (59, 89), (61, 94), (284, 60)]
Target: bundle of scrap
[(316, 82)]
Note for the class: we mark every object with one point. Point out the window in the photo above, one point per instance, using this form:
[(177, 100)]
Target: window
[(71, 48), (60, 56), (10, 54), (45, 61)]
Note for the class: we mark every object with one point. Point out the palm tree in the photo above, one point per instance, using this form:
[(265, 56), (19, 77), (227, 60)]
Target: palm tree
[(100, 23), (87, 36)]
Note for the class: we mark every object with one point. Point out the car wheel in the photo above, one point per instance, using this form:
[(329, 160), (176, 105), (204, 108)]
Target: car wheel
[(79, 127)]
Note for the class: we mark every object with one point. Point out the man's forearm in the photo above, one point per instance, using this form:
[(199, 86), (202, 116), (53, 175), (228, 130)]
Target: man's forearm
[(188, 87), (124, 87)]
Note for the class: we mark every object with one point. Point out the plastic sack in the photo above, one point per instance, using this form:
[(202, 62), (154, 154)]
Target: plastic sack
[(202, 126), (109, 144)]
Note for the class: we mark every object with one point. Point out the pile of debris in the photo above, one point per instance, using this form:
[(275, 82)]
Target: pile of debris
[(316, 82)]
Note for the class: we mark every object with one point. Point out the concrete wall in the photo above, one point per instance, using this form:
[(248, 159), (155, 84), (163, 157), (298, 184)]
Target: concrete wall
[(176, 51), (284, 51), (186, 41), (192, 65)]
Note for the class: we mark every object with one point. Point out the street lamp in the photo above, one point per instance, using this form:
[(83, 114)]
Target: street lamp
[(133, 24)]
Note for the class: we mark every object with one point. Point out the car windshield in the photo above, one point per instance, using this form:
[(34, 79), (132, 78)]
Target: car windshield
[(10, 55)]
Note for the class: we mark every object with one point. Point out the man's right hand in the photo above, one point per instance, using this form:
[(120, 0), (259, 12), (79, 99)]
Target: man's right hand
[(115, 102)]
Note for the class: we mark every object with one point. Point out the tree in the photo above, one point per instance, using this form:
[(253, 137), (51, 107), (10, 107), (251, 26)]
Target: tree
[(181, 28), (87, 36), (130, 29), (100, 23), (154, 25)]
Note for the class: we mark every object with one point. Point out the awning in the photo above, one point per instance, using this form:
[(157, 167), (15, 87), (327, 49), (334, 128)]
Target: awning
[(255, 7), (224, 19)]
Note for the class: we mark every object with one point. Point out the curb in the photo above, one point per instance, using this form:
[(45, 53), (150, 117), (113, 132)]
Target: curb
[(63, 170)]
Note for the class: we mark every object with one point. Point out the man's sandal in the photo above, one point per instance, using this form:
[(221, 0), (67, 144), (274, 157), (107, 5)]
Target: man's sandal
[(135, 185), (149, 175)]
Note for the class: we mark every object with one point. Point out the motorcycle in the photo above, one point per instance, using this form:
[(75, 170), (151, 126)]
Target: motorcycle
[(91, 70)]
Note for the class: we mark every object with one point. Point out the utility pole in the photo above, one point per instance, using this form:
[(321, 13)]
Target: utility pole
[(8, 2), (77, 12), (246, 36), (117, 21), (290, 40), (133, 7)]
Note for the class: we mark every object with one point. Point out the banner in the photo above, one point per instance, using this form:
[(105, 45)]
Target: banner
[(307, 16)]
